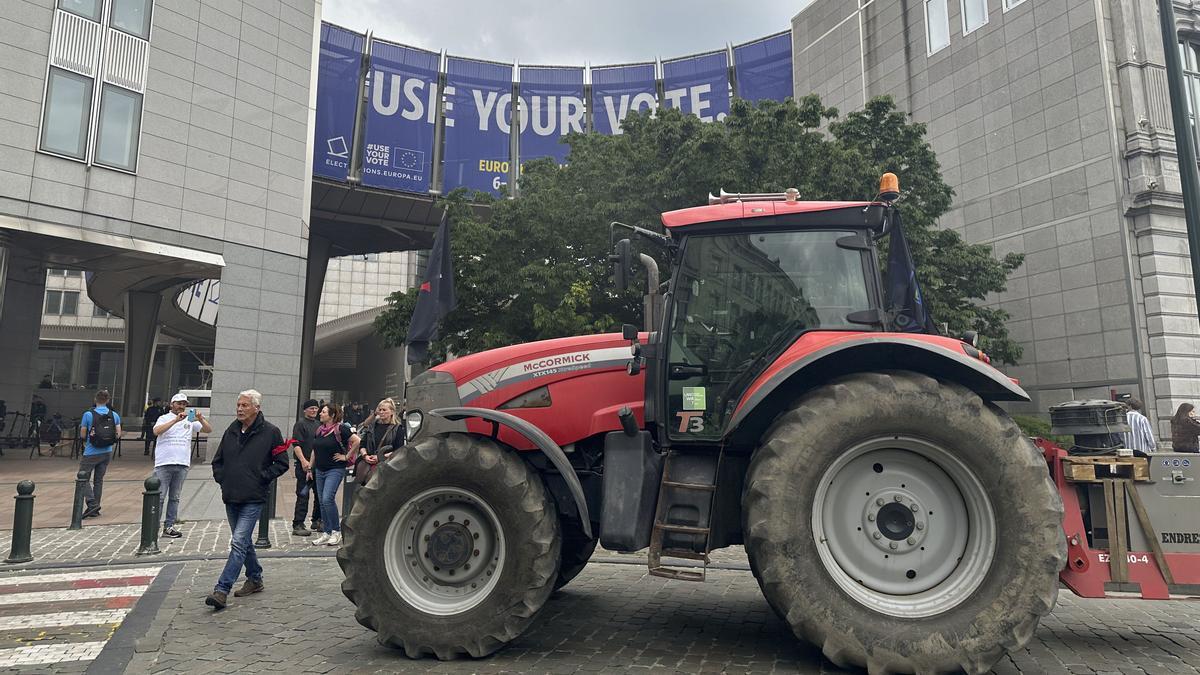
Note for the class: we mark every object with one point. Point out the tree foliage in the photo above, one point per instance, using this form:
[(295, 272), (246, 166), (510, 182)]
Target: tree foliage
[(536, 267)]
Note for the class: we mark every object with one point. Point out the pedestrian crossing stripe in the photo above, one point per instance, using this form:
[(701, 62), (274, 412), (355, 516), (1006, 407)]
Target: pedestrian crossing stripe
[(41, 600)]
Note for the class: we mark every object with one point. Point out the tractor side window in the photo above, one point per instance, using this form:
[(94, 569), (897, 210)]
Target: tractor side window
[(741, 299)]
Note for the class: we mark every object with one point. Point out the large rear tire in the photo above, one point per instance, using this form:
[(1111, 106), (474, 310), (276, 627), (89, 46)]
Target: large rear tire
[(451, 548), (577, 549), (904, 525)]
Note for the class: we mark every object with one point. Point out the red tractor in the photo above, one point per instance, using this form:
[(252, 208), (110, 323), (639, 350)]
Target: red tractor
[(892, 513)]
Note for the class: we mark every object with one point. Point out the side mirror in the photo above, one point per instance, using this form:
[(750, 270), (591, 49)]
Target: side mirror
[(629, 332), (622, 265)]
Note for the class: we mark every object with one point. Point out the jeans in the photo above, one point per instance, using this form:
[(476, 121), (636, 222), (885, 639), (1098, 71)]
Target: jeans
[(328, 482), (95, 466), (170, 481), (303, 489), (242, 519)]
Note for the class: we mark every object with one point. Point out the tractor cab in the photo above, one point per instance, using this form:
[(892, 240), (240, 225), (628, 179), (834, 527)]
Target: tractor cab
[(751, 274)]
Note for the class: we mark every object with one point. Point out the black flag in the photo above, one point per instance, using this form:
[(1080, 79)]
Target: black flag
[(435, 298), (902, 293)]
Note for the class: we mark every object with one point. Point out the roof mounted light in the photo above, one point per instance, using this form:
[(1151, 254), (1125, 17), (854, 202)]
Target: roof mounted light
[(889, 187)]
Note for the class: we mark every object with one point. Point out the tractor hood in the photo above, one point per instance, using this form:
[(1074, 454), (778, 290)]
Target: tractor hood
[(542, 382)]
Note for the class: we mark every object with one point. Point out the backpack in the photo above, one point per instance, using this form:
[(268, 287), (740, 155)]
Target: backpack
[(104, 430)]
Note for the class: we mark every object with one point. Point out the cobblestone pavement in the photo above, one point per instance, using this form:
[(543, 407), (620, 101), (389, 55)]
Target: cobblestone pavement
[(613, 618)]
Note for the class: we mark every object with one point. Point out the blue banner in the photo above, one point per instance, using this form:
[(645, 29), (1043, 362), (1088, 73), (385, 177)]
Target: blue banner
[(401, 112), (478, 124), (763, 68), (620, 90), (698, 85), (337, 93), (551, 107)]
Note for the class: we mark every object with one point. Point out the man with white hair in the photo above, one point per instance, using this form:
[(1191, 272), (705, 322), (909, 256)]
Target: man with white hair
[(250, 455)]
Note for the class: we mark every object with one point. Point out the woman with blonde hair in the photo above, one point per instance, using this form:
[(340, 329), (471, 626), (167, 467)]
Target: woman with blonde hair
[(381, 434)]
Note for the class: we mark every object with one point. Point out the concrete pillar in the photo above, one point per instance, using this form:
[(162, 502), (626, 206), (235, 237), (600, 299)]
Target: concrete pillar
[(317, 264), (80, 352), (141, 337), (24, 292)]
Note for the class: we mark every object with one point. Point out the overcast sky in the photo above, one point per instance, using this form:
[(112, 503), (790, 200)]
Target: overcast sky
[(566, 32)]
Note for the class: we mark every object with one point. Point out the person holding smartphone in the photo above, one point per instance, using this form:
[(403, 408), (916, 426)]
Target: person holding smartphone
[(173, 456)]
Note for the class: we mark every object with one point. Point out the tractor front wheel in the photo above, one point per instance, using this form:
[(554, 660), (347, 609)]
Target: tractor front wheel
[(904, 525), (451, 549)]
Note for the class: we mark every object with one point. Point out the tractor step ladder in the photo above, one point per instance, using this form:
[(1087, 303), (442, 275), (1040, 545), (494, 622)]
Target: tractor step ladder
[(662, 528)]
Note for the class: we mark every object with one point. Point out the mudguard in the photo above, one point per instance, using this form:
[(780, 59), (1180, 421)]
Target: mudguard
[(539, 438), (831, 355)]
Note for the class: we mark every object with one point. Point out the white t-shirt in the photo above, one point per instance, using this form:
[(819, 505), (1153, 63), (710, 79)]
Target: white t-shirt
[(175, 444)]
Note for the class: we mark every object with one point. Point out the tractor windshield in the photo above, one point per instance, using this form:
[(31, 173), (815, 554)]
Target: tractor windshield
[(741, 299)]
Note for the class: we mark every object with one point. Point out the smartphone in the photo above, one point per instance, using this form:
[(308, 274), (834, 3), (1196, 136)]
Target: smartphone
[(191, 414)]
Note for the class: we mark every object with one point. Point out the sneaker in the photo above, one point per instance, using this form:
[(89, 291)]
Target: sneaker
[(172, 532), (300, 531), (216, 600), (335, 539), (320, 540), (251, 586)]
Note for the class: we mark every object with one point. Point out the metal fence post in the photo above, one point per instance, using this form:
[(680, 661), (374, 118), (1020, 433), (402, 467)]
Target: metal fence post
[(22, 524), (81, 480), (264, 519), (149, 544)]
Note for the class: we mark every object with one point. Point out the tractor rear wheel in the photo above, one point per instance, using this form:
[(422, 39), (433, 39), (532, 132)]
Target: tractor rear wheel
[(904, 525), (451, 549)]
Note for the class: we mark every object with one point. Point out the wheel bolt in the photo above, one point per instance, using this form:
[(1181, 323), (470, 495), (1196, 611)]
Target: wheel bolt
[(871, 517), (472, 585), (899, 498), (892, 546), (911, 541), (426, 537), (436, 523), (915, 508), (879, 502), (920, 526), (476, 553), (877, 535), (451, 572), (467, 566), (436, 568), (476, 535), (451, 519), (466, 522)]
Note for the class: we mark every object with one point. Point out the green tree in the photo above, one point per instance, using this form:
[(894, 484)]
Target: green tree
[(536, 267)]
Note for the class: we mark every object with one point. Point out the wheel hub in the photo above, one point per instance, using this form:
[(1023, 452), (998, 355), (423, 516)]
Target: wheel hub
[(890, 521), (444, 550)]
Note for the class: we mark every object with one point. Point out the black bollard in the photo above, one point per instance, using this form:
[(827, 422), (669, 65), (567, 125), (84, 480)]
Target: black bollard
[(348, 492), (149, 544), (81, 480), (22, 524), (264, 520)]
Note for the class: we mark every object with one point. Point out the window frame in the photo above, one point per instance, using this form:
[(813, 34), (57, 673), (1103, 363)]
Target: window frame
[(75, 310), (57, 311), (149, 20), (51, 72), (1012, 4), (105, 87), (962, 8), (96, 19), (929, 49)]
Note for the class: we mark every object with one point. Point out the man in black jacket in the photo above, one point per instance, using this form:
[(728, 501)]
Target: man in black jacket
[(251, 455), (303, 433)]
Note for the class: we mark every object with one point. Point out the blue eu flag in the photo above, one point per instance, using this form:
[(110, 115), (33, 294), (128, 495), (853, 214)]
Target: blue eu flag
[(902, 293)]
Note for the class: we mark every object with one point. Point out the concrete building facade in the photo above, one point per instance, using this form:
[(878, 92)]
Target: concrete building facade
[(153, 144), (1052, 122)]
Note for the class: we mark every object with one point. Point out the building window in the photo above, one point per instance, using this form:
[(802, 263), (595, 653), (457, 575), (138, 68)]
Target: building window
[(118, 128), (65, 115), (62, 303), (937, 25), (1189, 56), (974, 15), (96, 77), (99, 312), (131, 16), (1009, 4), (88, 9)]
